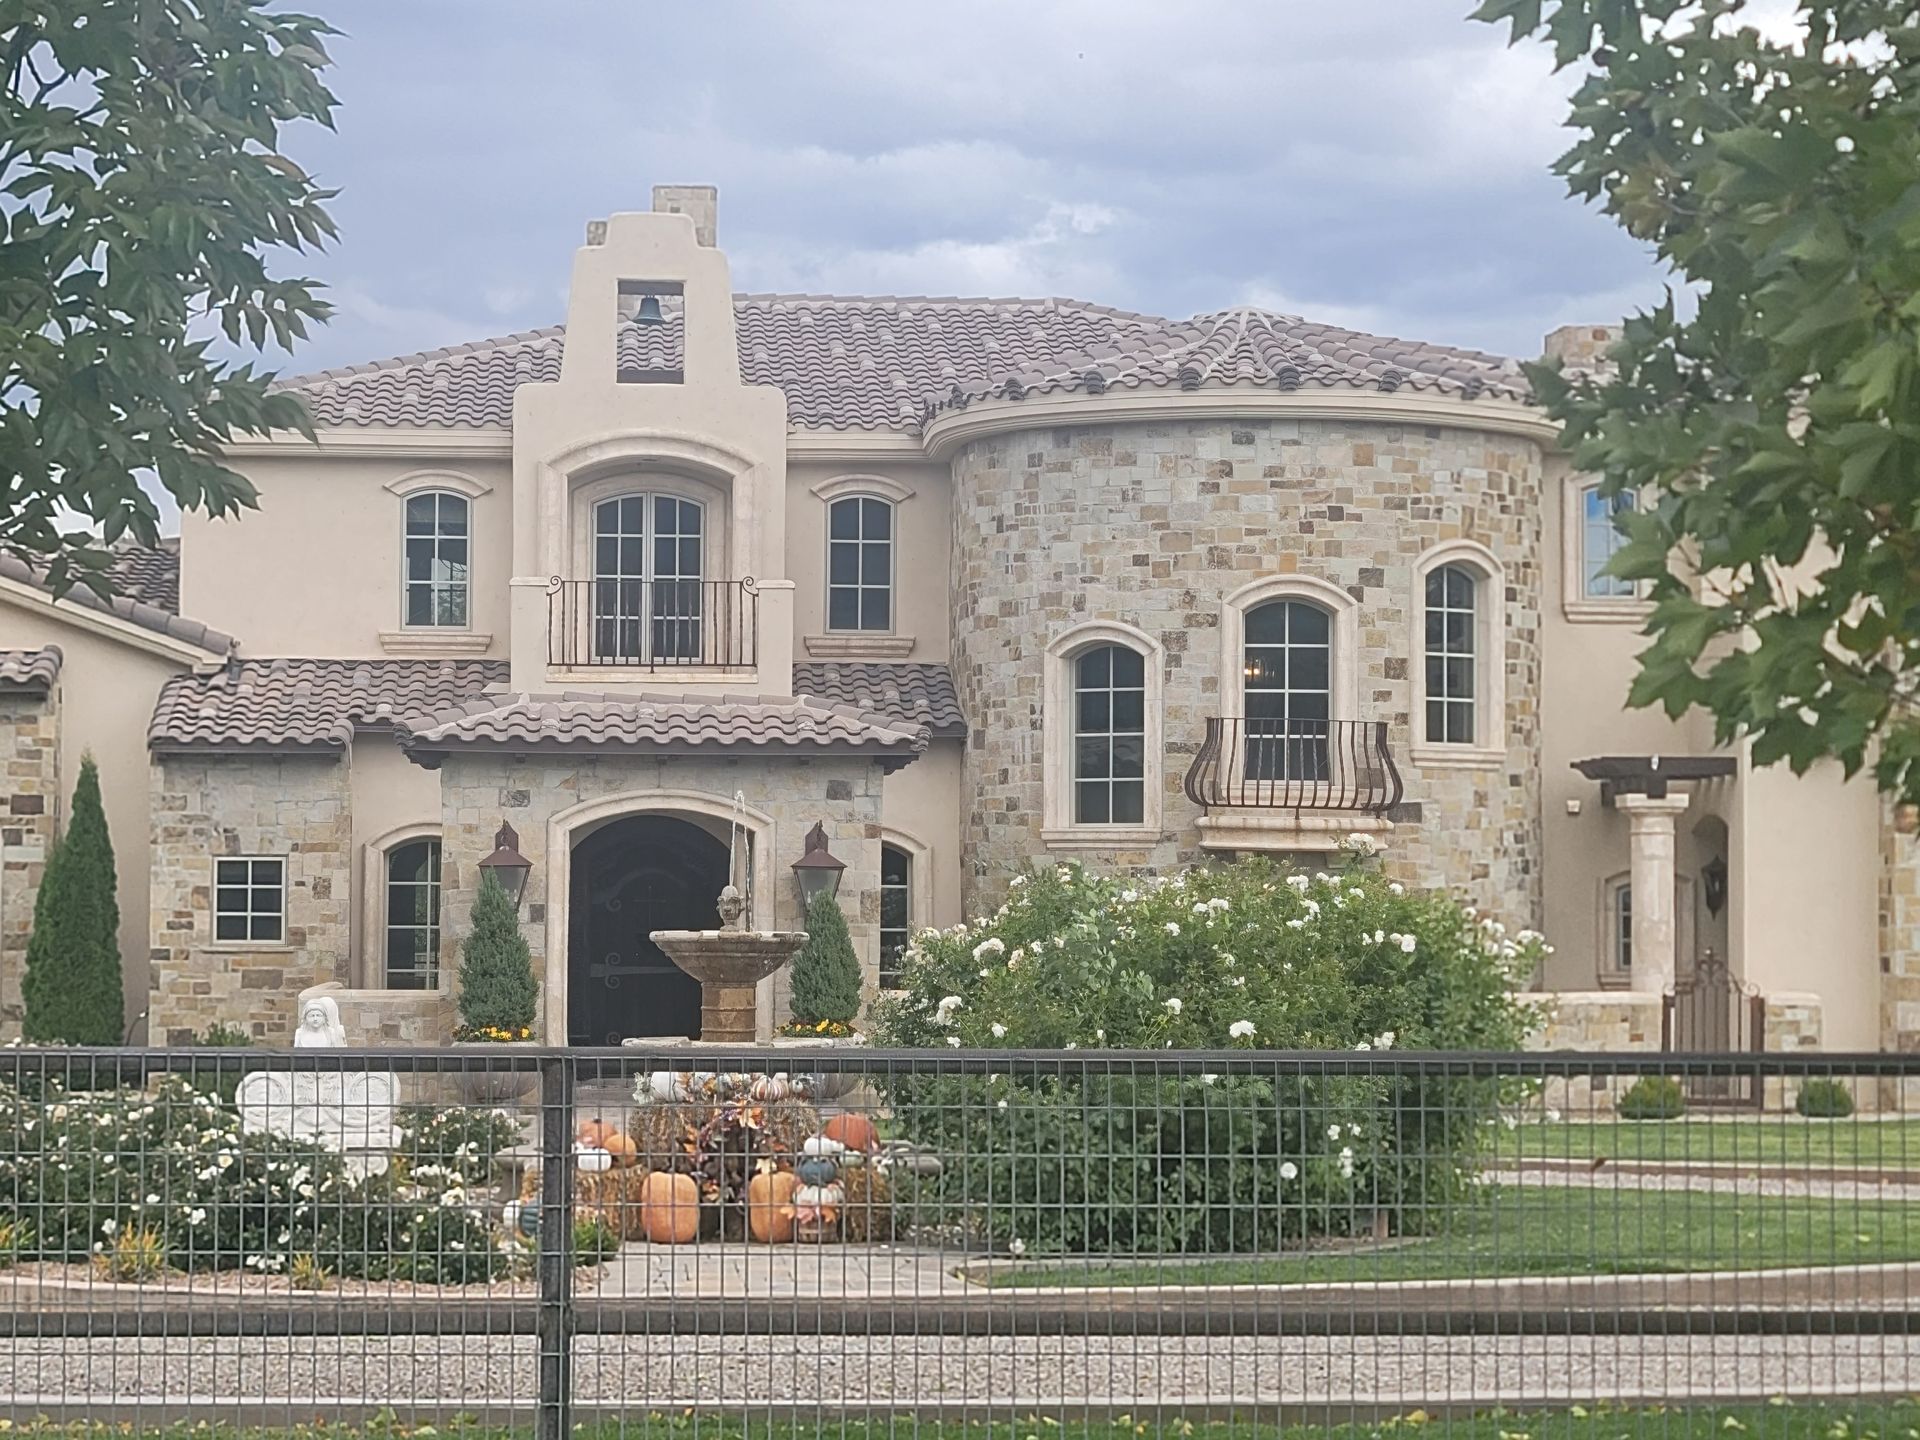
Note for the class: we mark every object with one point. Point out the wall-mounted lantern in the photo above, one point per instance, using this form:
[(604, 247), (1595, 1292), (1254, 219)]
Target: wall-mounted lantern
[(1713, 876), (507, 865), (817, 871)]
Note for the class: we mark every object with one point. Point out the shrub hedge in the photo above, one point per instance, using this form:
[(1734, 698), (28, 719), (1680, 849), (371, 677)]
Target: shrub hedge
[(1241, 956)]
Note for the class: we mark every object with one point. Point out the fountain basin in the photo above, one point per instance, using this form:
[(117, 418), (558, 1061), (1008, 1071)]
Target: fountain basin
[(729, 964)]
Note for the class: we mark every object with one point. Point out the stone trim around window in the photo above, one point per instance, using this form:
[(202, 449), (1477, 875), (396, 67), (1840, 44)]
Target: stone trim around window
[(1059, 830), (370, 958), (1579, 607), (1488, 751), (881, 487), (455, 481), (859, 645), (1343, 697)]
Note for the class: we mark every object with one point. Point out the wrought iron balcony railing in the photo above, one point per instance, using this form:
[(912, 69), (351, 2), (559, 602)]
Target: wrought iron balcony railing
[(652, 624), (1295, 765)]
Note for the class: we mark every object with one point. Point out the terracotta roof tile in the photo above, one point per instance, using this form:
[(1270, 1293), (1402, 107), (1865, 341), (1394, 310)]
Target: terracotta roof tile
[(29, 671), (889, 362), (134, 611), (670, 724), (916, 694), (294, 705), (149, 576)]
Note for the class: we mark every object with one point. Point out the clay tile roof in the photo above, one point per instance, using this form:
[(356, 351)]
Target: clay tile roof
[(135, 611), (914, 694), (306, 705), (29, 672), (149, 576), (889, 362), (672, 724)]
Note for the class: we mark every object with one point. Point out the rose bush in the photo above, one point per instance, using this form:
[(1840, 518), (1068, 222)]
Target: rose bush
[(1245, 956), (78, 1168)]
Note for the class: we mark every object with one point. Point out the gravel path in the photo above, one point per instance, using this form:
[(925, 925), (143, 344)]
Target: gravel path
[(1733, 1182), (444, 1376)]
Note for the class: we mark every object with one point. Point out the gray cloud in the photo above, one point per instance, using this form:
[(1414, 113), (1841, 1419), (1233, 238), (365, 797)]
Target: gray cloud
[(1379, 162)]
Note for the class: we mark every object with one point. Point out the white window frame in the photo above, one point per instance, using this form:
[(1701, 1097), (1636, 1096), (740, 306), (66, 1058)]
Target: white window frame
[(214, 911), (372, 967), (1488, 748), (864, 497), (407, 582), (895, 642), (919, 886), (1577, 605), (1059, 830)]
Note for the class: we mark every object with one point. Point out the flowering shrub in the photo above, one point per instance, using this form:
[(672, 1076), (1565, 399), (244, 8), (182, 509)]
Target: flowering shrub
[(1244, 956), (463, 1141), (88, 1166)]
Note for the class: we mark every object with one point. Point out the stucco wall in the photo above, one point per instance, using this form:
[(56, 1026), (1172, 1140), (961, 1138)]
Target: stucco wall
[(205, 807), (387, 792), (532, 794), (924, 802), (1155, 525), (920, 592), (316, 570), (107, 691)]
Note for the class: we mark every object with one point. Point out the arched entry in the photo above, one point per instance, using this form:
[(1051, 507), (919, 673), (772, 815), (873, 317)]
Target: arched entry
[(630, 878)]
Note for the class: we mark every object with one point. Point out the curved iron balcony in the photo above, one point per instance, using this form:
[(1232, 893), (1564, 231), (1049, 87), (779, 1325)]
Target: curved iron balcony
[(1256, 764), (652, 624)]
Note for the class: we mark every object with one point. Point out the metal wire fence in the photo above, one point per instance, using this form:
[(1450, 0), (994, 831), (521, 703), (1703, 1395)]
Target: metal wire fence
[(673, 1240)]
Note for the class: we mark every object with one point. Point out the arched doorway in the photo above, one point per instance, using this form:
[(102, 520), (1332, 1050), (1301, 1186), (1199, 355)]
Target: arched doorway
[(630, 878)]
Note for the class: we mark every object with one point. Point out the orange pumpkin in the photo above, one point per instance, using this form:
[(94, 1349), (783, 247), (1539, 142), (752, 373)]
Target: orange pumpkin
[(597, 1132), (625, 1153), (855, 1131), (669, 1208), (770, 1207)]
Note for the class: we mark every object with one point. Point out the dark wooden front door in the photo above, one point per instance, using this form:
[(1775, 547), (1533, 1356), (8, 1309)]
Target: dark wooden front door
[(630, 878)]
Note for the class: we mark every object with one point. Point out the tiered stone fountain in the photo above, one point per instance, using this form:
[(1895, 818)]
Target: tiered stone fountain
[(729, 963)]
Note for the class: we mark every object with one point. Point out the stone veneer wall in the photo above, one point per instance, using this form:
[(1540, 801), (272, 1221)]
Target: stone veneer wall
[(206, 806), (29, 821), (479, 791), (1899, 936), (1592, 1020), (1155, 524)]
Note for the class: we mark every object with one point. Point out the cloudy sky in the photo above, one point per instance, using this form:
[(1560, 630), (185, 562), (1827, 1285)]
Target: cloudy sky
[(1378, 163)]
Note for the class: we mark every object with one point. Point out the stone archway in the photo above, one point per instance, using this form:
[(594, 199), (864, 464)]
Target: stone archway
[(708, 815), (626, 880)]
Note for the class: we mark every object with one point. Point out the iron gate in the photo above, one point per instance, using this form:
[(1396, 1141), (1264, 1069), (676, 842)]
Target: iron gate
[(1711, 1011)]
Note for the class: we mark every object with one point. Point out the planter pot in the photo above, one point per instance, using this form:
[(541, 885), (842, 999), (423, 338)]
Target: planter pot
[(491, 1087)]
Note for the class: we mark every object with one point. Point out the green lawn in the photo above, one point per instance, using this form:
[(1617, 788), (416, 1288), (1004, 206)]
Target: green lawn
[(1526, 1230), (1778, 1139), (1855, 1420)]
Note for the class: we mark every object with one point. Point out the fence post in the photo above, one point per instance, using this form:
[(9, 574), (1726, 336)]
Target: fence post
[(554, 1419)]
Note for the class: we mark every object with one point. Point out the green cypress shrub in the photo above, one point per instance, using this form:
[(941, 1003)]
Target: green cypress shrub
[(498, 991), (72, 985), (826, 973)]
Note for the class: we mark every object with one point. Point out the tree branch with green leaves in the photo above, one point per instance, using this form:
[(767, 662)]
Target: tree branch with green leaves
[(1771, 439), (144, 191)]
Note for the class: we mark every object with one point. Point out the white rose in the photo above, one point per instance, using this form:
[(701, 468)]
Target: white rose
[(1174, 1006), (1289, 1170), (1173, 927), (999, 1030), (1240, 1029)]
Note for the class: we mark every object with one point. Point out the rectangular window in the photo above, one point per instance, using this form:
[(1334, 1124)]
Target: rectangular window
[(413, 916), (1109, 737), (250, 899), (896, 912), (436, 542), (1623, 928), (1452, 620), (1600, 538), (859, 564)]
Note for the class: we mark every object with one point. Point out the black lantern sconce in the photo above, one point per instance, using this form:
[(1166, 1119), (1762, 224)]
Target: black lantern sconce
[(1713, 878), (507, 865), (817, 871)]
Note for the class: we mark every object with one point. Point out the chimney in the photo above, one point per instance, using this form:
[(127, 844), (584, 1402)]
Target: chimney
[(702, 202), (1581, 348)]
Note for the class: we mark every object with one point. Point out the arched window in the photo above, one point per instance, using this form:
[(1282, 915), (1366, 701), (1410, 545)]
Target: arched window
[(1101, 734), (860, 564), (1457, 658), (437, 546), (897, 919), (1287, 687), (1452, 637), (1600, 538), (1109, 736), (413, 916), (648, 564)]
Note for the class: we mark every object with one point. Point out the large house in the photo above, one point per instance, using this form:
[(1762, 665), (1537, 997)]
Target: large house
[(973, 584)]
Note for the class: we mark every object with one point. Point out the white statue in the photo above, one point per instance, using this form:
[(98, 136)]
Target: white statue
[(350, 1111), (320, 1027)]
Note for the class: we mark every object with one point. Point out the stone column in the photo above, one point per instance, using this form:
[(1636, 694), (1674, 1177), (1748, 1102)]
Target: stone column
[(1650, 849)]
